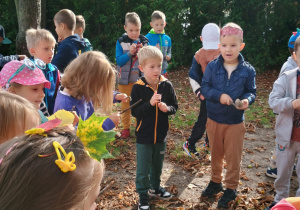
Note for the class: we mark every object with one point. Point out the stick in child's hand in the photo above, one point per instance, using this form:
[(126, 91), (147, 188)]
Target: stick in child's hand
[(136, 103)]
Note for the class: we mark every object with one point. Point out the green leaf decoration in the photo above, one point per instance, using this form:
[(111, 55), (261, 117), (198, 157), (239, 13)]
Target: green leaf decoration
[(94, 138)]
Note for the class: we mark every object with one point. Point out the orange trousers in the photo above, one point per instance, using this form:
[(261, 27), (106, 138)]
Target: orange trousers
[(226, 141), (126, 117)]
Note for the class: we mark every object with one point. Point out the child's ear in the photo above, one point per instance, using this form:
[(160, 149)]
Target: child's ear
[(242, 46), (125, 27), (165, 23), (32, 51), (295, 56), (151, 24), (202, 40), (141, 68), (218, 45), (12, 89)]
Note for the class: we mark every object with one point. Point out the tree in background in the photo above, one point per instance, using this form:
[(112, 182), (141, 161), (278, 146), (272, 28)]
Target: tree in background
[(29, 16), (267, 24)]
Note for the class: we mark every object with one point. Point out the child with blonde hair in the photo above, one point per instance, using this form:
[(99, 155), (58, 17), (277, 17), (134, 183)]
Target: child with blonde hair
[(25, 78), (17, 116), (227, 79), (40, 44), (158, 101), (87, 86), (36, 173)]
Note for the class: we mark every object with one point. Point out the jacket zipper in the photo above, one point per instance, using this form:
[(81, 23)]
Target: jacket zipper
[(156, 115)]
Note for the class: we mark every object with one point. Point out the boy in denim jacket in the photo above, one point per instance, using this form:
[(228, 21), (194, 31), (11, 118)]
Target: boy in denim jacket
[(227, 79)]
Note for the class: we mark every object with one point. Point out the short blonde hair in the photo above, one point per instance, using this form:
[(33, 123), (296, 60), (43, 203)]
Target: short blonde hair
[(34, 36), (17, 115), (91, 76), (149, 52), (157, 15), (67, 17), (132, 17), (80, 22)]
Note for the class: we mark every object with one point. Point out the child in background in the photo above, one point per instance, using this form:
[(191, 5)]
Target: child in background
[(36, 160), (127, 62), (79, 29), (25, 78), (225, 80), (17, 116), (210, 37), (5, 59), (87, 85), (285, 101), (70, 44), (158, 38), (40, 44), (288, 65), (158, 102)]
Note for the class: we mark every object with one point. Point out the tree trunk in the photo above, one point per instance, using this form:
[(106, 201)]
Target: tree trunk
[(29, 16), (43, 13)]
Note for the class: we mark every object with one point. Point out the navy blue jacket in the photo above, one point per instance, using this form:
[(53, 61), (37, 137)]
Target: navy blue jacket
[(241, 84), (67, 50), (5, 59)]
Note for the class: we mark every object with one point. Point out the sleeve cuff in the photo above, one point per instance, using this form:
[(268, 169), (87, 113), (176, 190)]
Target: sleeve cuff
[(108, 124)]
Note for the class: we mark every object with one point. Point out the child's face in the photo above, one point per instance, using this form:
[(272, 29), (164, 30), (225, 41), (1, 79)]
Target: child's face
[(133, 31), (44, 50), (33, 93), (230, 47), (297, 56), (58, 29), (158, 25), (151, 70)]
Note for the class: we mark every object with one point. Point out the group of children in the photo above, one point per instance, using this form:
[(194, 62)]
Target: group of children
[(219, 77)]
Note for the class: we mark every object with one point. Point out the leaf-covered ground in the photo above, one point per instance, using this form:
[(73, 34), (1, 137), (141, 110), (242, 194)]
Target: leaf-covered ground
[(184, 177)]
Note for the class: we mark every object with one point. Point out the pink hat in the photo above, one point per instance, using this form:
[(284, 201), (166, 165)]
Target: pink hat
[(24, 76)]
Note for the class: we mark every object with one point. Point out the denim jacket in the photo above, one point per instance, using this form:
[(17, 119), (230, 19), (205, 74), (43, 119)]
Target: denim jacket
[(240, 85)]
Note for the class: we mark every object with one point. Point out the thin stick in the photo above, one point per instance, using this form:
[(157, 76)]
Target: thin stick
[(107, 186), (136, 103)]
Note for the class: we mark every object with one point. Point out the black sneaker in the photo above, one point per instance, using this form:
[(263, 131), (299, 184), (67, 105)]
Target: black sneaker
[(144, 203), (190, 150), (161, 193), (271, 206), (212, 189), (229, 195)]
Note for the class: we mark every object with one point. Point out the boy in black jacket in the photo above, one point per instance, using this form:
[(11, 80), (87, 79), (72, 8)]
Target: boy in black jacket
[(158, 101)]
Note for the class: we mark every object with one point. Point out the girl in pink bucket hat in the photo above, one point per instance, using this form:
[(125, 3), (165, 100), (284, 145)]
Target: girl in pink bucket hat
[(25, 78)]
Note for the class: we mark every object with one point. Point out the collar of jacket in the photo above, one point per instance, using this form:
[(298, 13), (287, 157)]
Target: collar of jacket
[(153, 32), (142, 80)]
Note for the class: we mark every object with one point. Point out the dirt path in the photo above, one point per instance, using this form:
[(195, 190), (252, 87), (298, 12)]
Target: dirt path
[(189, 177)]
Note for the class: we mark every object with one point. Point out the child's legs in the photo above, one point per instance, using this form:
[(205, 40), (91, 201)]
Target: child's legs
[(157, 164), (199, 127), (215, 135), (233, 146), (285, 159), (125, 118), (144, 153)]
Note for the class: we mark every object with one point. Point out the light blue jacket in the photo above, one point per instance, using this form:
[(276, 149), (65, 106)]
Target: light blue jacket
[(164, 42)]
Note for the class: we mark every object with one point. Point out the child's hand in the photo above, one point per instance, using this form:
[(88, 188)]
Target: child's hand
[(60, 39), (121, 97), (245, 105), (115, 117), (155, 99), (163, 107), (76, 118), (296, 104), (168, 57), (201, 97), (132, 49), (225, 99), (157, 45)]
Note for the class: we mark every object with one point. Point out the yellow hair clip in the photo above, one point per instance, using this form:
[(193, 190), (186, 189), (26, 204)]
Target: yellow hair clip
[(67, 164)]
